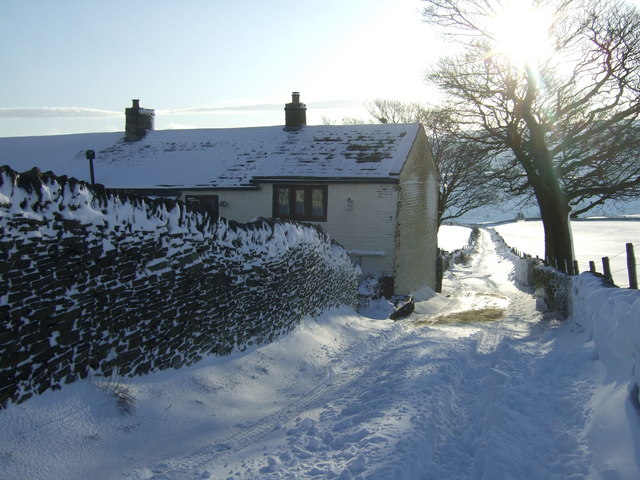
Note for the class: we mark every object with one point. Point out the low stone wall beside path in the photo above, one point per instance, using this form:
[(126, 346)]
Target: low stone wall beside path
[(93, 282)]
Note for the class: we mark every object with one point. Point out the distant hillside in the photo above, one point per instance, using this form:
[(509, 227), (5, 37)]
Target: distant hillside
[(509, 209)]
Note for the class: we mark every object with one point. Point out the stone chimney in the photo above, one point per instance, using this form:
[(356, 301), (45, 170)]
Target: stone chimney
[(295, 113), (138, 121)]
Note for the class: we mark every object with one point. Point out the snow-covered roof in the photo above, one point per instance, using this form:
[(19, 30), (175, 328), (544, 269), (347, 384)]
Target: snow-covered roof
[(232, 157)]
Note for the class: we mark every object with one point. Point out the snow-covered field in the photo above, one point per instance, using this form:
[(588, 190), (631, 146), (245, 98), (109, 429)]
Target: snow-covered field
[(592, 239), (479, 383)]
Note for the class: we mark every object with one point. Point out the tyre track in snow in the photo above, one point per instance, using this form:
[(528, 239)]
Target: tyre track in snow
[(337, 378), (502, 400)]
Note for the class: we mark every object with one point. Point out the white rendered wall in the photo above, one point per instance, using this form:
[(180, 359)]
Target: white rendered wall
[(365, 227), (417, 229), (242, 205)]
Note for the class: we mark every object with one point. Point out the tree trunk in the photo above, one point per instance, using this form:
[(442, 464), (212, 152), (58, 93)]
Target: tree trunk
[(554, 207), (558, 242)]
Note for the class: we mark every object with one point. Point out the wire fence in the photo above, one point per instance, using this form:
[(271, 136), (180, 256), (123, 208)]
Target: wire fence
[(631, 267), (619, 268)]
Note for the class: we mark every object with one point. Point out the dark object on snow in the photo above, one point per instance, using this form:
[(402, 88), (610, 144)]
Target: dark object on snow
[(634, 395), (385, 287), (404, 307), (91, 155)]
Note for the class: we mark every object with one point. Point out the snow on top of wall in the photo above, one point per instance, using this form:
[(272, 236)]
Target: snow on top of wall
[(40, 197), (231, 157)]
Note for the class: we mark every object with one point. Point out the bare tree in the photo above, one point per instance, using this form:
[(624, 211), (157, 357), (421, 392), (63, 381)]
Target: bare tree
[(464, 171), (563, 125), (395, 111)]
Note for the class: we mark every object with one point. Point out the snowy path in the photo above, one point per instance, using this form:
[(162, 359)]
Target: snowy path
[(345, 397), (475, 400)]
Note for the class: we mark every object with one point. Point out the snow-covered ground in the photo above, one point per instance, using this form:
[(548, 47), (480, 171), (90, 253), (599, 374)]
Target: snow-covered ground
[(592, 240), (479, 383)]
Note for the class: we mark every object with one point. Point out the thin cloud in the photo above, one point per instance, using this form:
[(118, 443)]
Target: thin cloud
[(81, 112), (262, 107), (258, 107), (57, 112), (330, 104)]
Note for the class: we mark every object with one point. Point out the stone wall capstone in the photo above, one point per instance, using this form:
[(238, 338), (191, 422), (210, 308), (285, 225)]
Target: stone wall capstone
[(110, 284)]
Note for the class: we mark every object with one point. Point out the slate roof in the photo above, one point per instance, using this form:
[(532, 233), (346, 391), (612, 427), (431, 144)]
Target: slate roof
[(232, 157)]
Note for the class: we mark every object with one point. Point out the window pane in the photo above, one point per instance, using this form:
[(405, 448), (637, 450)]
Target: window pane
[(299, 205), (205, 202), (300, 202), (317, 203), (210, 204), (283, 201)]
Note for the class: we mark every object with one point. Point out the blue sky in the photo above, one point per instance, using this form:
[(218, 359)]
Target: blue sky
[(74, 65)]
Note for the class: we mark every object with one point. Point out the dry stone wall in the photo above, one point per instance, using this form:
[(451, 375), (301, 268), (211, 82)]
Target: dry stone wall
[(100, 283), (551, 286)]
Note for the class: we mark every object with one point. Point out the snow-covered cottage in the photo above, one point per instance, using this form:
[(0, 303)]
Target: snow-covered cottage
[(373, 188)]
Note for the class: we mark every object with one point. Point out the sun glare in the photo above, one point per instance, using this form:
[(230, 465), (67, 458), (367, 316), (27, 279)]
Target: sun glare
[(521, 32)]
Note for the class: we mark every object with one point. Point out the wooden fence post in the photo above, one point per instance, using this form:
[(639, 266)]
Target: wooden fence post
[(631, 266), (607, 268), (564, 266), (592, 266), (576, 269)]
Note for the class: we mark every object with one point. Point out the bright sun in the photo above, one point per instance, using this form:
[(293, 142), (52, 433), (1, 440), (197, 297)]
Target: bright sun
[(521, 32)]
